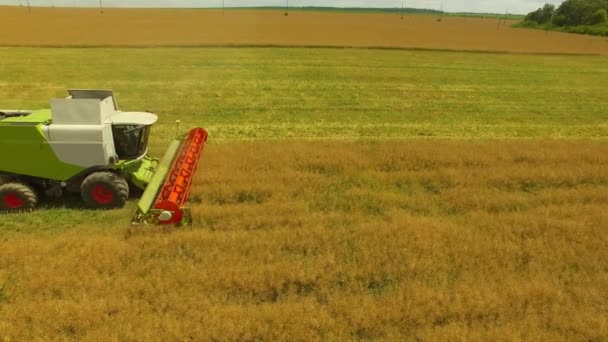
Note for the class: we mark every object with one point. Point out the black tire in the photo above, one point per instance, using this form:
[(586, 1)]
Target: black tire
[(5, 179), (134, 191), (104, 190), (15, 197)]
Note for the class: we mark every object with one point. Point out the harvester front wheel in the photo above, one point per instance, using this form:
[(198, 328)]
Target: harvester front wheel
[(104, 190), (17, 197)]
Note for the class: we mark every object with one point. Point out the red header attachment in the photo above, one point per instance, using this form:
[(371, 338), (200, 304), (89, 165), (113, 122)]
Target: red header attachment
[(176, 188)]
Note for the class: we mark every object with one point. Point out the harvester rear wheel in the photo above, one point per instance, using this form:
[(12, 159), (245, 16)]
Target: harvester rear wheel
[(17, 197), (104, 190)]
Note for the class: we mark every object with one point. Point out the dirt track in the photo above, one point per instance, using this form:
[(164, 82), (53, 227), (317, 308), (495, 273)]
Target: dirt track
[(153, 27)]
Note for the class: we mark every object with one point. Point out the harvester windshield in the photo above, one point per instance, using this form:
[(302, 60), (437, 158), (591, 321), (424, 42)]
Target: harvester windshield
[(130, 141)]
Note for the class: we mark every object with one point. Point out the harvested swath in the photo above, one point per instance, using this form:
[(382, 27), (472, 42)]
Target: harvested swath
[(337, 240), (154, 27), (278, 93)]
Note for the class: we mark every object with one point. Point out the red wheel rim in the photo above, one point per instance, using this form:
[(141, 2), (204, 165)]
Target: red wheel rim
[(13, 201), (102, 195)]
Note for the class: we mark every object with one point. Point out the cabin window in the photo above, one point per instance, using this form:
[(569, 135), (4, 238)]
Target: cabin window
[(130, 141)]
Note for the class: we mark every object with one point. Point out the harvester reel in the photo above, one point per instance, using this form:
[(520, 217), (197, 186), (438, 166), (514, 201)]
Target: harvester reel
[(163, 202), (104, 190), (15, 197)]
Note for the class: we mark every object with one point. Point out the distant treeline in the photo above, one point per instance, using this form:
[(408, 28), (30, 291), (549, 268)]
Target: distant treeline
[(488, 15), (354, 9), (396, 10), (575, 16)]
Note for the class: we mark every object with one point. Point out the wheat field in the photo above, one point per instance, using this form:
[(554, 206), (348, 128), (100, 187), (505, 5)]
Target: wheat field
[(196, 27), (300, 240), (344, 194)]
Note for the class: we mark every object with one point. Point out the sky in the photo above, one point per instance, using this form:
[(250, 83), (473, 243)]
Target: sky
[(488, 6)]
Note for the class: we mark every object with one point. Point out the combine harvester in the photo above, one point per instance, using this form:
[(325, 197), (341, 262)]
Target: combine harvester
[(84, 144)]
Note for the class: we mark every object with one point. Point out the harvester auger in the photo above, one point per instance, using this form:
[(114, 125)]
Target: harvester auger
[(84, 144)]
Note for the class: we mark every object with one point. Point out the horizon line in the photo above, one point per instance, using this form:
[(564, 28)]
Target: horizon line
[(270, 7)]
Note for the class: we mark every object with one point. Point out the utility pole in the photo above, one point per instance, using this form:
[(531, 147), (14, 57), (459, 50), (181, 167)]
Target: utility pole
[(550, 23), (223, 7), (29, 9), (440, 13), (100, 6), (500, 21), (286, 8), (402, 6)]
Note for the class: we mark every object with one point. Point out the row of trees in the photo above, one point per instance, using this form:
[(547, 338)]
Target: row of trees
[(588, 16)]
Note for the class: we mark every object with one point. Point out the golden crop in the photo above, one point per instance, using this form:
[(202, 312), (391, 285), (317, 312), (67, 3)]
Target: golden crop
[(181, 27), (431, 239), (337, 239)]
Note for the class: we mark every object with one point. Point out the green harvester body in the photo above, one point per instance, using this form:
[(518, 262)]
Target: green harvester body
[(85, 144)]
